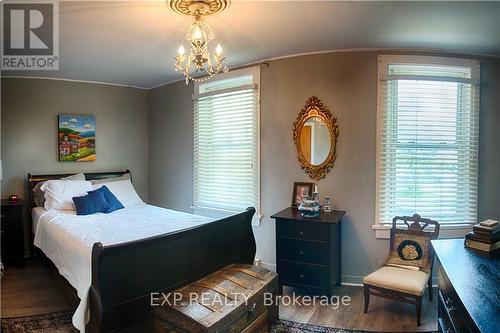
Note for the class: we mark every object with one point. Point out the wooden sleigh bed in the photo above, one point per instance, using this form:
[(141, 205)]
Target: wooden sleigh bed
[(124, 275)]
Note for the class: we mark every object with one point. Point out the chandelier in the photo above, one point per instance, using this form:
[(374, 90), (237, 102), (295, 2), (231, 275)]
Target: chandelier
[(198, 60)]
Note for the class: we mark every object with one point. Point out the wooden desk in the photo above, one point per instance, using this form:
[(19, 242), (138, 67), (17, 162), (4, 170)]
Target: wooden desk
[(469, 288)]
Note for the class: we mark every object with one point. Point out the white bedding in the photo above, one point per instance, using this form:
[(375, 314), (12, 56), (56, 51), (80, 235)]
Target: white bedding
[(36, 214), (67, 239)]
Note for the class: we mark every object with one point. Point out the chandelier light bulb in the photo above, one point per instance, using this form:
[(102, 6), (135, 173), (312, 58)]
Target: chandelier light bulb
[(181, 50), (197, 34), (218, 49)]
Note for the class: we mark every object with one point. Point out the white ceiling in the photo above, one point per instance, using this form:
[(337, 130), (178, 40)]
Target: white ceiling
[(134, 42)]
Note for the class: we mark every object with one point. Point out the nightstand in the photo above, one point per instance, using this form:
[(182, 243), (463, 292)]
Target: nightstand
[(308, 250), (12, 228)]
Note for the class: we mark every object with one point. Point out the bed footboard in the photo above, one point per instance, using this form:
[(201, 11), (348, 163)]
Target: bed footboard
[(125, 275)]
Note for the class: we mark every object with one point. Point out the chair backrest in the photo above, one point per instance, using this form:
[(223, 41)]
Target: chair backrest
[(415, 225)]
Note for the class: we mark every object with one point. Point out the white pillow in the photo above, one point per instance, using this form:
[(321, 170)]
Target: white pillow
[(124, 191), (38, 196), (110, 180), (59, 193), (76, 176)]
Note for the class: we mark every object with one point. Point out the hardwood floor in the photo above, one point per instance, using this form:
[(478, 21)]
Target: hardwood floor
[(35, 290), (31, 291), (383, 315)]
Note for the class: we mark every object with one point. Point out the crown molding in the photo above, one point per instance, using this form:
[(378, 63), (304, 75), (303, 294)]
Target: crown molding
[(75, 80), (438, 52)]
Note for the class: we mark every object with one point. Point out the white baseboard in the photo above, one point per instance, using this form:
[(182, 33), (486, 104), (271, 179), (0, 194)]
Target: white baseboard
[(345, 280), (269, 266), (351, 280)]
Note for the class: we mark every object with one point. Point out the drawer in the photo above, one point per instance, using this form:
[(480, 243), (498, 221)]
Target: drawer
[(12, 247), (303, 274), (11, 242), (303, 230), (442, 328), (304, 251), (444, 320), (10, 215), (450, 306), (12, 229)]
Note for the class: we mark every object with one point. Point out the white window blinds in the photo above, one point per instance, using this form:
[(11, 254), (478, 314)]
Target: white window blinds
[(428, 136), (226, 144)]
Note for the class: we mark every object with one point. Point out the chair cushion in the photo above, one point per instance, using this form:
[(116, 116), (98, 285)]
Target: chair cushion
[(410, 250), (399, 279)]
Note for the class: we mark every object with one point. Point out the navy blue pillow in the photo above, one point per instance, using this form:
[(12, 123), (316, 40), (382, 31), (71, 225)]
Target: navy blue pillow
[(90, 204), (113, 202)]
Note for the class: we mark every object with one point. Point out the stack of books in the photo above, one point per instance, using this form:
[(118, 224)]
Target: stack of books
[(484, 236)]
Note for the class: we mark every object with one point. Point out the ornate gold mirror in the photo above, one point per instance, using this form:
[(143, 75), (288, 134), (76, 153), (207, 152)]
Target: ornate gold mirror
[(315, 134)]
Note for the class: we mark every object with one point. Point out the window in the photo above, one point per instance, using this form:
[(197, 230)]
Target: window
[(427, 139), (226, 143)]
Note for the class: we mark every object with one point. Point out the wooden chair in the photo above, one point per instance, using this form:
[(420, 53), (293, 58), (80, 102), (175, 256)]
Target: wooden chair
[(403, 284)]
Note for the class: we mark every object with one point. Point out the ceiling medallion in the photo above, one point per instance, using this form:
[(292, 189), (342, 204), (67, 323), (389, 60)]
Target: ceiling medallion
[(198, 61), (198, 7)]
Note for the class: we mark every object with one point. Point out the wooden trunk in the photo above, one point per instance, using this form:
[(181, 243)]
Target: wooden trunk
[(230, 300)]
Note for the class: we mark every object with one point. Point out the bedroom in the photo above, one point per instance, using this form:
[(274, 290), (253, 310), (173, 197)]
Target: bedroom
[(116, 65)]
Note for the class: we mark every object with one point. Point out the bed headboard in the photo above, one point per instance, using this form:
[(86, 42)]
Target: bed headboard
[(35, 179)]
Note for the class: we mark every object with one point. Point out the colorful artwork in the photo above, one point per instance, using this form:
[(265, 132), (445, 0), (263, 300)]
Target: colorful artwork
[(76, 138)]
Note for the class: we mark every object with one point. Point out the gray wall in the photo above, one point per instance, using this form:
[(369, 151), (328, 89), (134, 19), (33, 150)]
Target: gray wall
[(489, 141), (171, 146), (347, 84), (29, 129)]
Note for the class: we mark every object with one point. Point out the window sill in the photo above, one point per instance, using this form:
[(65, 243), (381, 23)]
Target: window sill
[(383, 231)]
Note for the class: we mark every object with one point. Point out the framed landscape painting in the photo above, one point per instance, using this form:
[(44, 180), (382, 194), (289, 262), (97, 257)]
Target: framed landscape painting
[(76, 138)]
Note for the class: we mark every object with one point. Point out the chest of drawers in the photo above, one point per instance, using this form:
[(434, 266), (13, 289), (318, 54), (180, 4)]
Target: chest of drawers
[(12, 241), (308, 250)]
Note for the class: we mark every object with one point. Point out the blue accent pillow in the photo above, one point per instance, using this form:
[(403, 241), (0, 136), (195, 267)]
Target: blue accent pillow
[(90, 204), (113, 202)]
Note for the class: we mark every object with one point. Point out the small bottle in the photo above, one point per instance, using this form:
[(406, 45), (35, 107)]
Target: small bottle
[(327, 208)]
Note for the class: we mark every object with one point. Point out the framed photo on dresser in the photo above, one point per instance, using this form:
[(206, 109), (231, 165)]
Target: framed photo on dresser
[(300, 192)]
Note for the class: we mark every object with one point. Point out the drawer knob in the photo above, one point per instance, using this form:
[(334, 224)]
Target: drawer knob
[(301, 276), (301, 233), (301, 252), (449, 305)]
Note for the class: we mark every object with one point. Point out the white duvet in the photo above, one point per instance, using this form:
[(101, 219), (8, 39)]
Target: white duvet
[(67, 239)]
